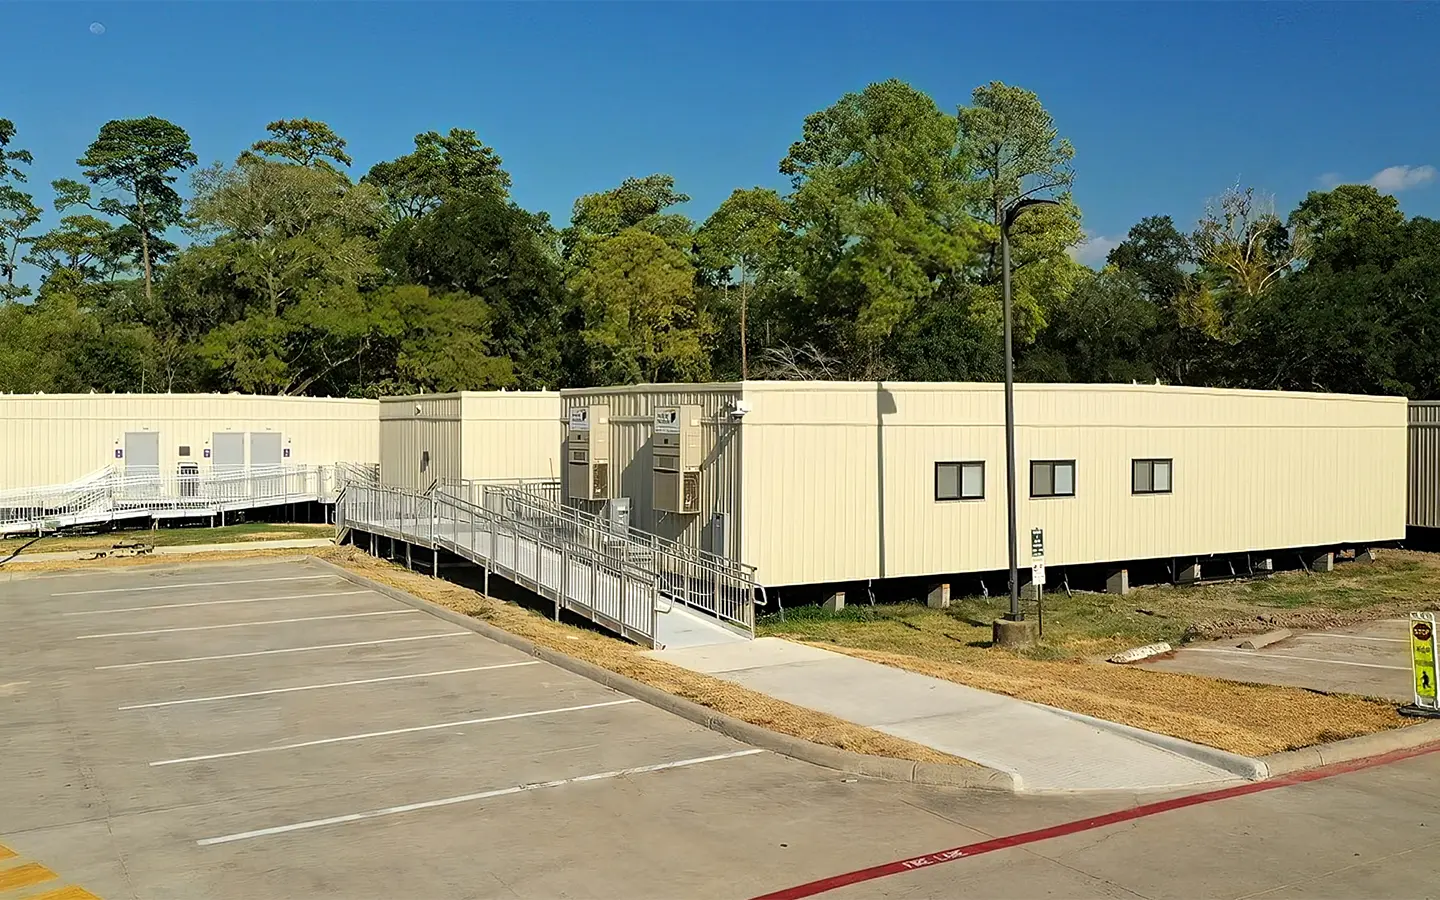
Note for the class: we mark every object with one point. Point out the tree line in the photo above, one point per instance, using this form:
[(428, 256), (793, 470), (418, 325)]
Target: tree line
[(880, 261)]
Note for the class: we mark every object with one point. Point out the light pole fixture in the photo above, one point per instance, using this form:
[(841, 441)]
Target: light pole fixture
[(1011, 213)]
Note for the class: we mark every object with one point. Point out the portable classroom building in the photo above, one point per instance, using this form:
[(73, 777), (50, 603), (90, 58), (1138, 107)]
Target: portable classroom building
[(824, 482), (59, 438), (427, 438), (1424, 501)]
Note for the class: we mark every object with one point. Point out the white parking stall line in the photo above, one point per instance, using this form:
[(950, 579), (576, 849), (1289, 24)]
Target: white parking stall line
[(190, 659), (364, 615), (129, 609), (390, 733), (1260, 655), (1355, 637), (196, 584), (332, 684), (468, 798)]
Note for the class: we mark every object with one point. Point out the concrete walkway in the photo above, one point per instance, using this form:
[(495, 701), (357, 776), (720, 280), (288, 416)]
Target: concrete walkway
[(1045, 749)]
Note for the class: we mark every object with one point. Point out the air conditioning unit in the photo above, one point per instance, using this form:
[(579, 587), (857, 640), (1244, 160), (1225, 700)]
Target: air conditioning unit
[(675, 450), (588, 462)]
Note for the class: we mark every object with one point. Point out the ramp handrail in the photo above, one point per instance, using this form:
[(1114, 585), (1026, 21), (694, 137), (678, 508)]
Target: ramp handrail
[(611, 589), (722, 587), (112, 495)]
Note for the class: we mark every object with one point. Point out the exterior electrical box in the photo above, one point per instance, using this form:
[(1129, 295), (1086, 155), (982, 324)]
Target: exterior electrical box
[(676, 454), (587, 463)]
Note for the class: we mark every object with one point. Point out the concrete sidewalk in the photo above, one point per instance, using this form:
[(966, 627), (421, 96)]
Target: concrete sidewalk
[(1046, 749)]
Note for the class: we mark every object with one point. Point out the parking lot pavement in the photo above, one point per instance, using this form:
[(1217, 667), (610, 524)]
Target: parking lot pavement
[(1371, 659), (271, 730), (257, 731)]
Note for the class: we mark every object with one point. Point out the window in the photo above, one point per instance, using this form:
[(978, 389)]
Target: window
[(1150, 476), (1052, 478), (184, 449), (959, 481)]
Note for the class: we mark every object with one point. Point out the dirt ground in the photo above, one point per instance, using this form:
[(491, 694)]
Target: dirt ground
[(1065, 669)]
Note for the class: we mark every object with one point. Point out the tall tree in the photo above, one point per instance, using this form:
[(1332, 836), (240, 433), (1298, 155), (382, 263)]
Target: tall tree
[(18, 213), (744, 235), (1243, 247), (637, 203), (8, 158), (305, 142), (443, 167), (1017, 152), (139, 158), (487, 248), (642, 322), (297, 248), (1350, 226), (878, 207)]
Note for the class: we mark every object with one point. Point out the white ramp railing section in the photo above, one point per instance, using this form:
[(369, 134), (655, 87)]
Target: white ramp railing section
[(611, 590), (717, 585), (114, 496), (619, 578)]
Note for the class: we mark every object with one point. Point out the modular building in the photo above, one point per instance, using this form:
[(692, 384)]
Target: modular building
[(429, 438), (826, 482), (59, 438), (1424, 499)]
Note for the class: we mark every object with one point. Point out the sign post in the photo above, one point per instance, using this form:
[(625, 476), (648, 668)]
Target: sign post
[(1037, 573), (1422, 663)]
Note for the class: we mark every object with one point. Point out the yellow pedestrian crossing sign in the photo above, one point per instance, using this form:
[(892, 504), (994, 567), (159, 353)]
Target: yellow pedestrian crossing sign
[(1422, 658)]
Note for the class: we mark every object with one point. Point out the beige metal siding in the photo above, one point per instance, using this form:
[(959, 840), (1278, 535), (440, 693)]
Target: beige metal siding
[(632, 417), (411, 427), (1252, 471), (511, 434), (58, 438), (469, 434), (1424, 494)]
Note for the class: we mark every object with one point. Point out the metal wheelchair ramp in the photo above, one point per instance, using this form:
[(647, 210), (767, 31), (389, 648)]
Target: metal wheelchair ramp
[(633, 584)]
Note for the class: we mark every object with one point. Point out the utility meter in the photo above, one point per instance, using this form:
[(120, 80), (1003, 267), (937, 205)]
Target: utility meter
[(676, 453), (588, 463)]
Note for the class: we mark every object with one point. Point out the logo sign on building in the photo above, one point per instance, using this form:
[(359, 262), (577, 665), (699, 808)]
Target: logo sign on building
[(1422, 658), (1037, 543), (580, 419), (667, 420), (1037, 574)]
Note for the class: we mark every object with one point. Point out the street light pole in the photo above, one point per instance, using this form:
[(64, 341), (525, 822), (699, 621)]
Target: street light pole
[(1015, 615), (1011, 476)]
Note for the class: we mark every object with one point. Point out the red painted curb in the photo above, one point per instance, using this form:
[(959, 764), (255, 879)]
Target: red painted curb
[(1066, 828)]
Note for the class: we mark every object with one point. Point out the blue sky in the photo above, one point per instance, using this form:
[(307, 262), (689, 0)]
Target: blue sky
[(1166, 103)]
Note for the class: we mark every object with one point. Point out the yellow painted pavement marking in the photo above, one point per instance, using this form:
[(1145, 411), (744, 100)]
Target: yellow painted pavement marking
[(6, 852), (24, 876), (66, 893)]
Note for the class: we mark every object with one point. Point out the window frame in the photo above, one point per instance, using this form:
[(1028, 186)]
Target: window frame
[(959, 465), (1052, 463), (1150, 463)]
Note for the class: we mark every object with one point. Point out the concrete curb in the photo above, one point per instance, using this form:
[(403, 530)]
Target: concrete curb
[(1243, 766), (1367, 745), (784, 744)]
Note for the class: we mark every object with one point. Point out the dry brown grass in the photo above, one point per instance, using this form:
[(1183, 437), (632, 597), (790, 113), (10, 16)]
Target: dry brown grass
[(625, 659)]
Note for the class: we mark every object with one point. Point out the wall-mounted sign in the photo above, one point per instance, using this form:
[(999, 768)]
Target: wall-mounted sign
[(667, 420), (119, 453), (580, 419), (207, 452), (285, 453)]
